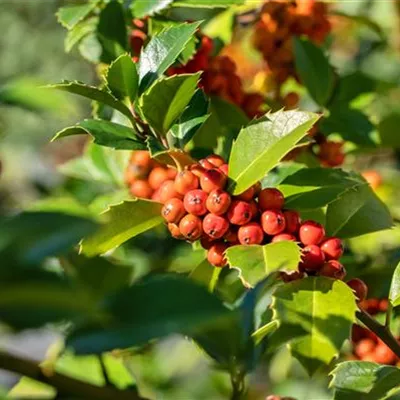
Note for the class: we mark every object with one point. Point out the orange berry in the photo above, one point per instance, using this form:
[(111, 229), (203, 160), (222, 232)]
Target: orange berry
[(239, 212), (173, 210), (167, 191), (215, 160), (191, 227), (224, 168), (215, 226), (206, 164), (186, 181), (247, 195), (282, 237), (175, 231), (250, 233), (195, 202), (273, 222), (364, 347), (292, 219), (142, 189), (212, 179), (157, 177), (218, 202), (197, 170), (270, 199), (215, 255), (172, 172)]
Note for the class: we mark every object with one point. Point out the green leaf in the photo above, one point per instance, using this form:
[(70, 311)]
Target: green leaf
[(352, 125), (311, 188), (141, 9), (394, 293), (122, 222), (69, 16), (30, 237), (166, 100), (314, 70), (262, 144), (163, 50), (90, 48), (99, 164), (357, 212), (317, 315), (205, 274), (361, 380), (255, 262), (122, 78), (112, 32), (78, 32), (207, 3), (93, 93), (191, 120), (221, 26), (151, 309), (264, 331), (388, 128), (105, 133)]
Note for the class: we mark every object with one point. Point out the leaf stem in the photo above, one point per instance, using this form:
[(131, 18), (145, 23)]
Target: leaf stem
[(388, 316), (238, 386), (65, 385), (380, 330)]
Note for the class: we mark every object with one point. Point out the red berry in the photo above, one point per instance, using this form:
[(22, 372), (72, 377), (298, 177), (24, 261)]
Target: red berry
[(270, 199), (215, 226), (364, 347), (206, 242), (215, 160), (171, 172), (283, 237), (173, 210), (333, 269), (215, 255), (175, 231), (186, 181), (142, 189), (311, 232), (239, 212), (384, 355), (254, 209), (157, 177), (167, 191), (232, 236), (247, 195), (292, 219), (206, 164), (224, 168), (333, 248), (195, 202), (197, 170), (218, 202), (312, 258), (141, 163), (383, 305), (273, 222), (359, 287), (212, 179), (191, 227), (251, 233)]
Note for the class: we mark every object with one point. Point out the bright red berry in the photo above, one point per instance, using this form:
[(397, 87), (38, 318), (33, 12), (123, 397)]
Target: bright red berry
[(141, 188), (186, 181), (270, 199), (215, 160), (247, 195), (312, 258), (292, 219), (224, 168), (157, 177), (215, 226), (191, 227), (212, 179), (218, 202), (215, 255), (333, 248), (333, 269), (250, 233), (175, 231), (206, 164), (273, 222), (195, 202), (359, 287), (311, 232), (283, 237), (167, 191), (239, 212), (173, 210)]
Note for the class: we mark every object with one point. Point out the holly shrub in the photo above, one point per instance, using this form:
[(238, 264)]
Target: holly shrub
[(241, 160)]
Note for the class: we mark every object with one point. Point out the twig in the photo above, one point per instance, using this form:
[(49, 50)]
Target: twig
[(388, 316)]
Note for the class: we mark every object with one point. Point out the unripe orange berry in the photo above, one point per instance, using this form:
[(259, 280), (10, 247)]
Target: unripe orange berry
[(273, 222), (215, 226), (191, 227), (195, 202), (250, 233), (172, 172), (173, 210), (175, 231), (215, 255), (270, 199), (282, 237), (239, 212), (247, 195), (224, 168), (142, 189), (359, 287), (218, 202), (292, 219), (157, 177), (212, 179), (333, 269), (215, 160), (167, 191), (206, 164), (311, 232), (333, 248), (186, 181), (312, 258)]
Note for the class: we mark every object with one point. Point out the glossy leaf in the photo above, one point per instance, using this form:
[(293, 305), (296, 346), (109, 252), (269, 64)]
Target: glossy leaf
[(262, 144), (162, 51), (93, 93), (166, 100), (207, 3), (394, 293), (255, 262), (105, 133), (316, 315), (362, 380), (205, 274), (141, 9), (122, 78), (314, 70), (69, 16), (311, 188), (78, 32), (356, 212), (122, 222), (151, 309)]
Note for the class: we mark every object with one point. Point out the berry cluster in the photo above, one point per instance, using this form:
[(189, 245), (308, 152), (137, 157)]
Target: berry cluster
[(374, 306), (280, 20)]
